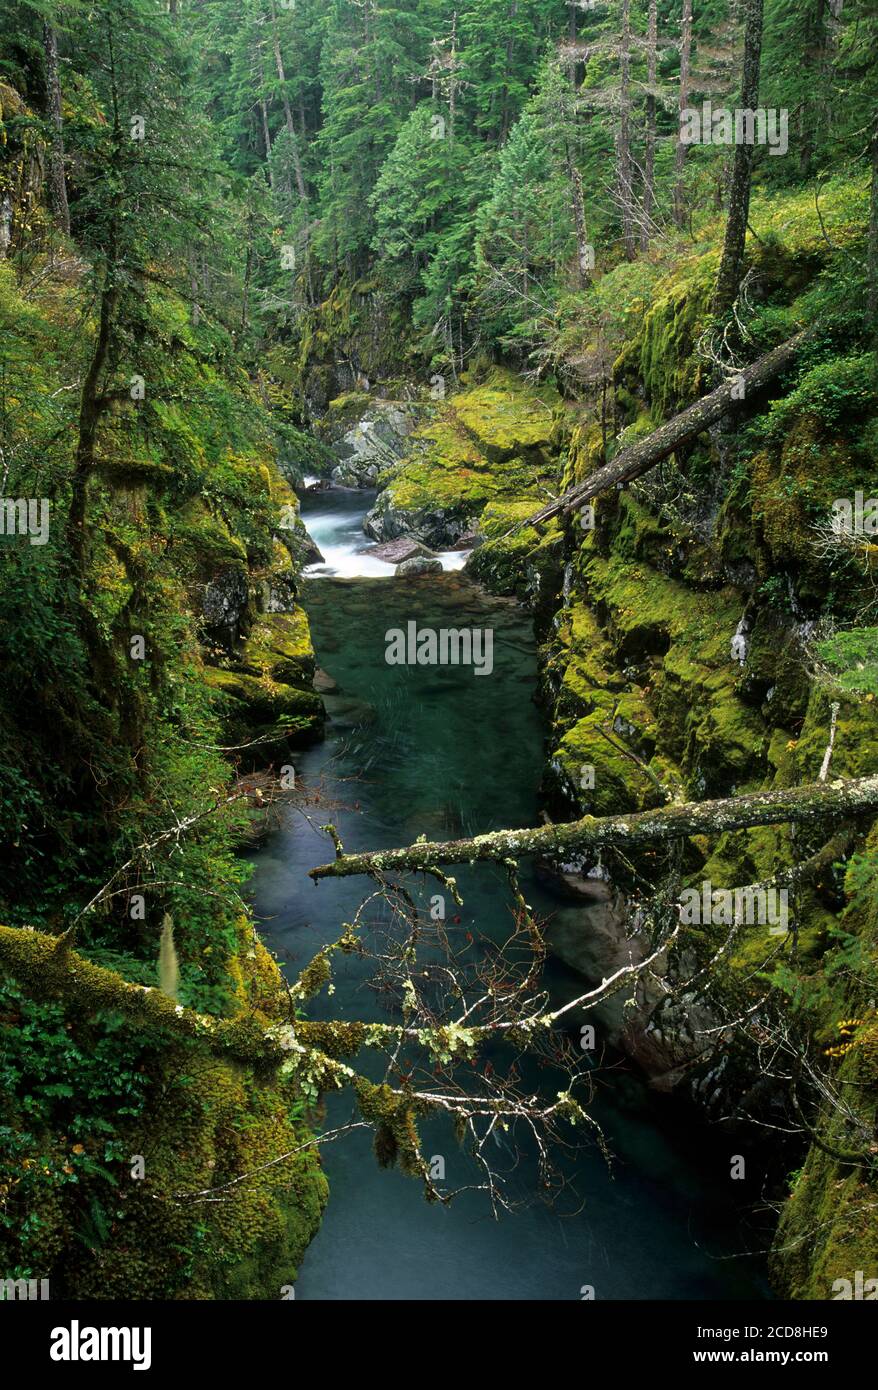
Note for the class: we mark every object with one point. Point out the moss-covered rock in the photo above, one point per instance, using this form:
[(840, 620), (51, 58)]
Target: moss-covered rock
[(279, 647), (262, 708), (204, 1186), (485, 444)]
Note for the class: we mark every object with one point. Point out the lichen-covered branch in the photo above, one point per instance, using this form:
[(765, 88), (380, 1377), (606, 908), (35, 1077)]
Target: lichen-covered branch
[(796, 805)]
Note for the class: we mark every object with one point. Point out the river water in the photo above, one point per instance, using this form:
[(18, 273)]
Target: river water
[(439, 751)]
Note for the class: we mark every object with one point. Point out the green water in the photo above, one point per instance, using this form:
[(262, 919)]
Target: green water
[(441, 752)]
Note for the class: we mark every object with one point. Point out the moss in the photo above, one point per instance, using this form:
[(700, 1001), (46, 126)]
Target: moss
[(256, 707), (666, 545), (515, 559), (279, 647), (680, 642), (344, 411), (214, 1126), (312, 979), (662, 355), (828, 1228), (506, 418), (485, 445), (775, 675), (212, 1119), (204, 544), (620, 784), (396, 1136), (585, 453), (337, 1039)]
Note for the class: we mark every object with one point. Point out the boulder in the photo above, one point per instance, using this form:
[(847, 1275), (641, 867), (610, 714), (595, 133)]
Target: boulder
[(366, 436), (419, 564), (397, 551)]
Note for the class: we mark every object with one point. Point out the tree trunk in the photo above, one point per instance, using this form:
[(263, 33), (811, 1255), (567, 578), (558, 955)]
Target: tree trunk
[(624, 182), (732, 264), (815, 62), (248, 272), (57, 180), (638, 458), (795, 806), (91, 407), (649, 150), (680, 151), (873, 240), (48, 968), (577, 201), (288, 114), (266, 140)]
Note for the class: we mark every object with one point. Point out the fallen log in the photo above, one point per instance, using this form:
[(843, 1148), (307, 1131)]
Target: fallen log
[(638, 458), (796, 805)]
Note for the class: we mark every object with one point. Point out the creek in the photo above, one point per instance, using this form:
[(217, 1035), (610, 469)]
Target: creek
[(432, 750)]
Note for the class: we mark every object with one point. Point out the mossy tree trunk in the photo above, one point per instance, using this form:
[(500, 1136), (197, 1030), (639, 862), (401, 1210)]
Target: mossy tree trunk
[(624, 179), (638, 458), (57, 181), (649, 146), (796, 805), (873, 238)]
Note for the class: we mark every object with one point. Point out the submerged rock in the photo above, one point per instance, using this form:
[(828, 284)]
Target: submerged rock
[(348, 713), (323, 682)]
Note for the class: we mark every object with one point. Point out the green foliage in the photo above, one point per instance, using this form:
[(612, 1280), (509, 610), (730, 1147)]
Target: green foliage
[(839, 395), (851, 660), (67, 1087)]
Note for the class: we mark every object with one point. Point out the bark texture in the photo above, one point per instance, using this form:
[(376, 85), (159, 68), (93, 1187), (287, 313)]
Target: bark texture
[(57, 181), (732, 263), (796, 805), (680, 150)]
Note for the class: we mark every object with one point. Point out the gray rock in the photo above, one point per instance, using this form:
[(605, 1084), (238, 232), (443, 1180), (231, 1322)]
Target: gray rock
[(437, 529), (395, 552), (225, 603), (419, 564), (375, 442), (469, 541)]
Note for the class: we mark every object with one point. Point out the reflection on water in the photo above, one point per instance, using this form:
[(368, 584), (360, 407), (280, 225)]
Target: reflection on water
[(438, 752)]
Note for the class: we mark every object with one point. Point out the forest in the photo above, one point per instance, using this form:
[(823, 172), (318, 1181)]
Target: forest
[(350, 351)]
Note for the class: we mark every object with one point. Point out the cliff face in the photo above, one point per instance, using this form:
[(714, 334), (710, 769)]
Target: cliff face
[(702, 638)]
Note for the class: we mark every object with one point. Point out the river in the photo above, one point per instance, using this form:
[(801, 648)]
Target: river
[(438, 751)]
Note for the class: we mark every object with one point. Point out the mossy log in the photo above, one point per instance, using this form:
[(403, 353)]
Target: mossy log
[(638, 458), (796, 805), (48, 968)]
